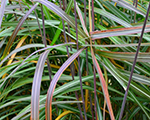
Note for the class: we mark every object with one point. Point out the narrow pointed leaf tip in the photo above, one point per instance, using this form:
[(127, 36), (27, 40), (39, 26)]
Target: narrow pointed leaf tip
[(51, 89), (82, 21)]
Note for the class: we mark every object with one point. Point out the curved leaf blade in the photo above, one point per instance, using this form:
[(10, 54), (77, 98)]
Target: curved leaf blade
[(36, 86), (26, 59), (131, 7), (51, 89), (14, 34), (63, 114), (62, 14)]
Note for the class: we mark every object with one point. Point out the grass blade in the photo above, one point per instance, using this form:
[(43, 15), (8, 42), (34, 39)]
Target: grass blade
[(120, 45), (118, 32), (62, 14), (36, 86), (51, 89), (60, 25), (82, 21), (25, 60), (128, 56), (14, 34), (104, 87), (2, 9), (63, 114), (2, 42), (131, 7), (134, 63), (79, 70)]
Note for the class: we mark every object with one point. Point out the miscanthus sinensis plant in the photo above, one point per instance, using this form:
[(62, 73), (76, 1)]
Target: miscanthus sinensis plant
[(74, 59)]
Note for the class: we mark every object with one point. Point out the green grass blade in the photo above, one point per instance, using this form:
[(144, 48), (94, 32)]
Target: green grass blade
[(118, 32), (131, 7), (14, 34), (62, 14)]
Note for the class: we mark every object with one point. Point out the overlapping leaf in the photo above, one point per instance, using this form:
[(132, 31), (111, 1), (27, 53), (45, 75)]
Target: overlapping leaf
[(14, 34), (128, 56), (118, 32), (128, 6), (2, 9), (36, 86), (54, 82), (62, 14)]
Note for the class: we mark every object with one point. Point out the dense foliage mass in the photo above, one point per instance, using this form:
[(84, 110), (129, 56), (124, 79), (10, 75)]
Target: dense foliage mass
[(70, 60)]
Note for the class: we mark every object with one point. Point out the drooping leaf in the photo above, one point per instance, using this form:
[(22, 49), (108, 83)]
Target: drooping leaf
[(62, 14), (63, 114), (25, 60), (36, 86), (54, 82), (31, 46), (14, 34)]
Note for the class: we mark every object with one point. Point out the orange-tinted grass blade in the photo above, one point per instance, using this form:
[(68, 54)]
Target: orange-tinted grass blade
[(106, 78), (82, 21), (13, 56), (18, 45), (104, 87), (63, 114), (90, 22), (118, 29), (86, 97), (56, 77), (118, 32), (36, 86), (112, 60)]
